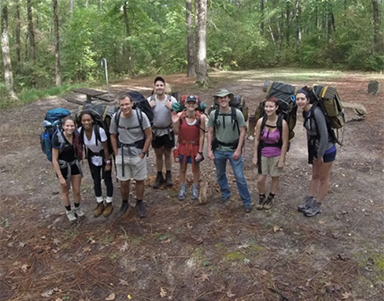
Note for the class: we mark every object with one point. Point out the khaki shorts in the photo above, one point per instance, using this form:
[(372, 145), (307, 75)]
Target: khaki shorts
[(134, 168), (269, 166)]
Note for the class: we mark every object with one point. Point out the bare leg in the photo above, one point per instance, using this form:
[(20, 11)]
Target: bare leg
[(167, 158), (76, 181), (124, 189), (275, 184), (65, 195), (315, 180), (196, 174), (183, 172), (261, 183), (325, 171), (139, 189), (159, 158)]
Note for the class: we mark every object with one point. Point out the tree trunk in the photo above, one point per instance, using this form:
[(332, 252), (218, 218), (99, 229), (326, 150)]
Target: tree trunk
[(127, 48), (298, 26), (57, 43), (377, 37), (7, 66), (287, 22), (17, 33), (190, 40), (262, 17), (202, 73), (71, 7), (31, 32), (331, 27)]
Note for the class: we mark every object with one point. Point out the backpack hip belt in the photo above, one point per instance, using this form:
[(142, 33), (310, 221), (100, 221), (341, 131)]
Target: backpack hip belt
[(192, 142), (216, 143), (64, 164)]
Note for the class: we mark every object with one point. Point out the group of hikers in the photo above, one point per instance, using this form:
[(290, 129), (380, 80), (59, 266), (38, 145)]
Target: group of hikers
[(132, 135)]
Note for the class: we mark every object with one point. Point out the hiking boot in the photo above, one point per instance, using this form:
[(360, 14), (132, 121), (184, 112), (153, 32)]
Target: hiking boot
[(99, 209), (182, 195), (313, 209), (168, 179), (71, 215), (308, 200), (159, 180), (268, 203), (195, 193), (224, 199), (247, 208), (260, 205), (79, 211), (108, 210), (141, 211), (123, 209)]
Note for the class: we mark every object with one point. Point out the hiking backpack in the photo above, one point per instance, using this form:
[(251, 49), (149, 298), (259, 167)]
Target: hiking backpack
[(328, 100), (102, 115), (52, 124), (200, 105), (285, 95)]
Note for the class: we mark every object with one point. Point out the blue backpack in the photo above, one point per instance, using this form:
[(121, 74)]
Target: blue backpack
[(52, 124)]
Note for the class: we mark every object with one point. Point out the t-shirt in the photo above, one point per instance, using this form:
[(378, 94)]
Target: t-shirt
[(67, 150), (162, 119), (131, 131), (224, 130), (91, 144)]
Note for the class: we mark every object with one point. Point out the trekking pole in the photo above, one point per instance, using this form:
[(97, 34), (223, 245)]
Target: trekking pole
[(104, 64)]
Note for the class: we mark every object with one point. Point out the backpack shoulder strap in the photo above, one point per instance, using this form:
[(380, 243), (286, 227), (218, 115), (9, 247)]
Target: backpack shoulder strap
[(234, 119), (96, 129), (217, 110), (262, 126)]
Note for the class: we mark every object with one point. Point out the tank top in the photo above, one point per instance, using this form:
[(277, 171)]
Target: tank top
[(271, 138)]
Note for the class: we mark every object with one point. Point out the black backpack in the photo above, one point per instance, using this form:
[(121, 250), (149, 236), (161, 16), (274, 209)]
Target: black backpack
[(141, 103), (238, 102), (102, 115)]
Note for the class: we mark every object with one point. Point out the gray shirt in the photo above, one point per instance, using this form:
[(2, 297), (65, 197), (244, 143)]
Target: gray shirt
[(317, 130), (131, 131), (162, 117)]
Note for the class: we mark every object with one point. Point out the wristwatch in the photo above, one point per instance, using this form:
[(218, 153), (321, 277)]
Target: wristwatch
[(200, 153), (144, 153), (107, 162)]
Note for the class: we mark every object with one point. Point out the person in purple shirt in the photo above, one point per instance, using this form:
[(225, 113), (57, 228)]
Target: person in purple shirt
[(271, 144), (321, 153)]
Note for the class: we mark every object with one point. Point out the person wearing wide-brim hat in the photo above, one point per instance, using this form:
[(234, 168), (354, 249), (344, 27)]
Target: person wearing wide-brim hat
[(226, 136)]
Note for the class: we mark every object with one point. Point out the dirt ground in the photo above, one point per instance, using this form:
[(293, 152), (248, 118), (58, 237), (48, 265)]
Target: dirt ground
[(186, 251)]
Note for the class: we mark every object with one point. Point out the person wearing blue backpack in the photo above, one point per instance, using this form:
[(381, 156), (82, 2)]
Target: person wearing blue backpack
[(95, 141), (66, 157)]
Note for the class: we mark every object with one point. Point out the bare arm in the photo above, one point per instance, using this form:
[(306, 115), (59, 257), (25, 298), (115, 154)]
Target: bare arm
[(56, 165), (257, 141), (237, 153), (176, 122), (209, 143), (114, 143), (284, 147), (148, 139)]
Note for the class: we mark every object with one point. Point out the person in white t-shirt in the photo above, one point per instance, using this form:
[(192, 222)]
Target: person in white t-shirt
[(96, 145)]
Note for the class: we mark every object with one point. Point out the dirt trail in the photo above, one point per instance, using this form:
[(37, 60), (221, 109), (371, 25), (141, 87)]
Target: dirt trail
[(185, 251)]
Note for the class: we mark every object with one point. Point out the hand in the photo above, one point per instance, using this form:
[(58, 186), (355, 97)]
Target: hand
[(175, 117), (107, 167), (168, 104), (211, 156), (254, 160), (152, 103), (198, 157), (280, 164), (236, 155), (141, 156), (62, 181)]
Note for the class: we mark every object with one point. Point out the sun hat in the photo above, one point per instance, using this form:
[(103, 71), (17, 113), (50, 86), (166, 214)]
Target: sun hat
[(223, 93)]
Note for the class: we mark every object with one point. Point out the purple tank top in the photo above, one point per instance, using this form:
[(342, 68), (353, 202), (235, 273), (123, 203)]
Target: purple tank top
[(271, 138)]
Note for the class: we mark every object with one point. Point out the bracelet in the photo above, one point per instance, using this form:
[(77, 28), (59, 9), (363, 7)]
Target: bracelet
[(200, 153), (144, 153), (107, 162)]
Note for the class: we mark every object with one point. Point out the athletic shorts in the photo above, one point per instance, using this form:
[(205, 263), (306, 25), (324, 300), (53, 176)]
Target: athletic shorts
[(329, 157), (166, 141), (134, 168), (74, 171), (269, 166)]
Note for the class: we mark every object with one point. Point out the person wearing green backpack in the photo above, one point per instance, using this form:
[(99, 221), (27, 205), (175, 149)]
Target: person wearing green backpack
[(321, 153)]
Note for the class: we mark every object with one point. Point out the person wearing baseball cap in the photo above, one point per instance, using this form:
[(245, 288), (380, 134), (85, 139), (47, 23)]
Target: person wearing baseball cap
[(226, 136)]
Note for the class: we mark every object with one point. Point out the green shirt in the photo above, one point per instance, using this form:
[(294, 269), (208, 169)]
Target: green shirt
[(229, 133)]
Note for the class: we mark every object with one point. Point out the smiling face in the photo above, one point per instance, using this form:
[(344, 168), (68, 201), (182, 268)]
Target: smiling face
[(270, 107), (69, 126), (223, 102), (126, 106), (159, 88), (301, 100), (86, 121), (191, 106)]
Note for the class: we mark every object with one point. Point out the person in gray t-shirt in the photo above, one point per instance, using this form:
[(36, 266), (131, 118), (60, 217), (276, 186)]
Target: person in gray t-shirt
[(130, 142), (164, 138)]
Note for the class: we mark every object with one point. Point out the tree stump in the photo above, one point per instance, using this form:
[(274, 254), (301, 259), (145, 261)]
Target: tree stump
[(373, 87)]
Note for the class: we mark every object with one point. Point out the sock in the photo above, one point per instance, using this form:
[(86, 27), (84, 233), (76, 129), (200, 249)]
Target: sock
[(262, 195), (68, 208), (271, 195), (99, 199), (109, 199), (168, 171), (182, 186), (125, 201), (160, 173), (77, 205), (138, 201)]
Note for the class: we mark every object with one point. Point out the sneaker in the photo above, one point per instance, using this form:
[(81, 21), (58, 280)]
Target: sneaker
[(260, 205), (195, 193), (268, 203), (308, 200), (71, 215), (108, 210), (79, 211), (141, 211), (182, 195), (123, 209), (224, 199), (159, 180), (314, 209), (99, 209)]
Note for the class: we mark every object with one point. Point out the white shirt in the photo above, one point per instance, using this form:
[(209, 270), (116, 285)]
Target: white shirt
[(91, 144)]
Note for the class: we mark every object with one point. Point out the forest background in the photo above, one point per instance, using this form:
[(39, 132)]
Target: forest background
[(50, 45)]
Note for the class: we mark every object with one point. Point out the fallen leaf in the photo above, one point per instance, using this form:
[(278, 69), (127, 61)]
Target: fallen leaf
[(163, 292), (123, 282), (111, 297), (166, 241), (25, 267), (230, 295), (346, 295), (86, 250), (276, 228), (124, 247), (47, 293), (204, 277), (321, 222)]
